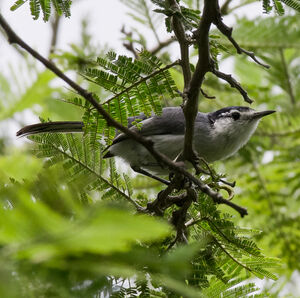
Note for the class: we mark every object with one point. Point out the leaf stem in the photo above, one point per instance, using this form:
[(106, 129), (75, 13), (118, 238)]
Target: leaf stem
[(287, 77)]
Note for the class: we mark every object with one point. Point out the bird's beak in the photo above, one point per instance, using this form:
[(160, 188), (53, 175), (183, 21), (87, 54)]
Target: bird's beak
[(258, 115)]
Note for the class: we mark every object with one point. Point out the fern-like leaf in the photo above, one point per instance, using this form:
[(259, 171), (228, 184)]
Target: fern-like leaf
[(137, 86), (231, 289), (189, 17), (60, 6), (84, 164), (278, 7), (17, 4), (295, 4)]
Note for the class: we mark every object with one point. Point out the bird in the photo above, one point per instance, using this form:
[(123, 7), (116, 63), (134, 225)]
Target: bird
[(217, 135)]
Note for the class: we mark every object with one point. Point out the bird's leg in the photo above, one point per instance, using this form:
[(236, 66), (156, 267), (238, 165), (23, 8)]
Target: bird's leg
[(211, 173), (143, 172)]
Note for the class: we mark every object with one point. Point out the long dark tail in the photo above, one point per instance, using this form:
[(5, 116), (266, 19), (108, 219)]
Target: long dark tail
[(51, 127)]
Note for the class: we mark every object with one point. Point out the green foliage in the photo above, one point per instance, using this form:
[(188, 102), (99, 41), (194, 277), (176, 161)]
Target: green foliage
[(66, 226), (228, 248), (45, 242), (295, 4), (137, 86), (278, 7), (231, 289), (24, 87), (189, 17), (81, 157), (39, 90), (271, 190), (60, 6), (225, 249)]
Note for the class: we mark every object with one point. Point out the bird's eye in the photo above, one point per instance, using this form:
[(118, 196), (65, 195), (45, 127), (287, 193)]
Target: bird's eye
[(236, 115)]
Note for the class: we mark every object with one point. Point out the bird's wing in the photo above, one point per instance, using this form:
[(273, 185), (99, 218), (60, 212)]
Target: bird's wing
[(170, 122)]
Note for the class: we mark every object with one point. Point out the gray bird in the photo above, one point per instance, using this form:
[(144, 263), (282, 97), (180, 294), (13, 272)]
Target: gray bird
[(217, 135)]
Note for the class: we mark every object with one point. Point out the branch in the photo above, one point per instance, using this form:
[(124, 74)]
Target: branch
[(161, 45), (159, 205), (148, 144), (183, 42), (224, 8), (129, 46), (217, 198), (54, 26), (232, 82), (179, 217), (241, 4), (203, 65), (194, 220), (206, 95), (227, 31)]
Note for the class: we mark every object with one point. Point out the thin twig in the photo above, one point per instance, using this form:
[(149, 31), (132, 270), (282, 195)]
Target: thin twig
[(55, 29), (150, 23), (232, 82), (242, 4), (217, 197), (161, 45), (129, 45), (211, 174), (230, 256), (227, 31), (229, 190), (287, 78), (206, 95)]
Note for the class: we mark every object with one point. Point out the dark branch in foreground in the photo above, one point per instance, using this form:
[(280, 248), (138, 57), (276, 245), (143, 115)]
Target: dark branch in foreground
[(148, 144), (192, 84), (183, 43)]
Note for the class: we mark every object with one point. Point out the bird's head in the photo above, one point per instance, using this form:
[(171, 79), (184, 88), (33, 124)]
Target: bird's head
[(236, 122)]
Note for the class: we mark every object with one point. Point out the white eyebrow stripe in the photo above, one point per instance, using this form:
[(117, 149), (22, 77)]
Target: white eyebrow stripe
[(226, 114)]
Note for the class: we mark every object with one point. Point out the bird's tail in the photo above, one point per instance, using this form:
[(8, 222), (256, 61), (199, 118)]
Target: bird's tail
[(51, 127)]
